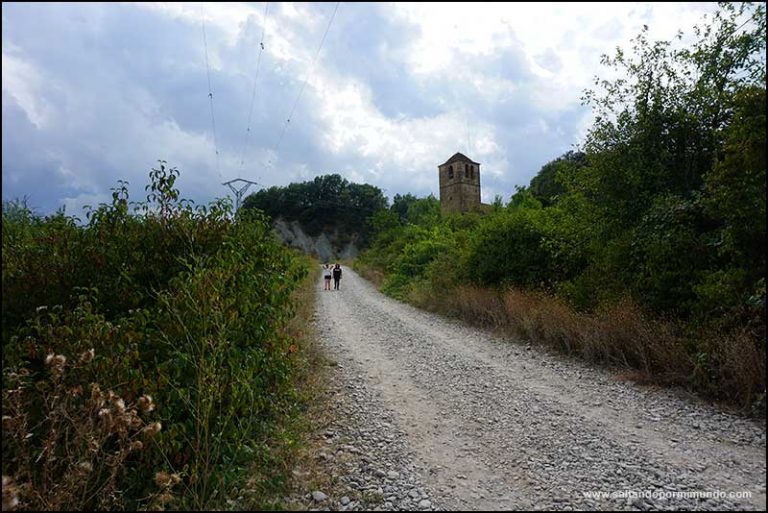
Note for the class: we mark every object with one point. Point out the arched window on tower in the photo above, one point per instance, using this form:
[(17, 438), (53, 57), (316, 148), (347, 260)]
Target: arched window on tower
[(466, 170), (450, 172), (472, 172)]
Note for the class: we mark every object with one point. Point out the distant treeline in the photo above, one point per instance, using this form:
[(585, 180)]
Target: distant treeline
[(663, 209), (328, 202)]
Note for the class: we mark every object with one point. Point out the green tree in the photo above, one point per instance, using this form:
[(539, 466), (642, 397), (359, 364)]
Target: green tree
[(734, 198), (658, 126), (549, 182), (507, 249), (424, 211), (326, 203), (401, 203), (671, 132)]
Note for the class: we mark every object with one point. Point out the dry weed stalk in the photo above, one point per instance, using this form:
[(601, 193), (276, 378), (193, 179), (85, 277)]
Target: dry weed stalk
[(67, 448)]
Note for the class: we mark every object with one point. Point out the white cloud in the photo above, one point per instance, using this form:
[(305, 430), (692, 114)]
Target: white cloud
[(409, 148), (25, 83), (228, 24), (562, 31)]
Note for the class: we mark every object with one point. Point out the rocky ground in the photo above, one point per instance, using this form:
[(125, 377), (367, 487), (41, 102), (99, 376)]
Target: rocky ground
[(426, 413)]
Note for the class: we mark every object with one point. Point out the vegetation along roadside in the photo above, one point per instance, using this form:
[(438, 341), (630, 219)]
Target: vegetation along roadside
[(150, 358), (643, 249)]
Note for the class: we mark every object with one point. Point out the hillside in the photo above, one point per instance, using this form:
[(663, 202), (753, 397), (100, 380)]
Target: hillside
[(328, 217)]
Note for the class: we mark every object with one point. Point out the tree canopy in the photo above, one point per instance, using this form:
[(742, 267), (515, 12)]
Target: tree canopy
[(326, 203)]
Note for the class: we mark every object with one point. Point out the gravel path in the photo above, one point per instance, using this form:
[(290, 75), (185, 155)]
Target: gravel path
[(433, 414)]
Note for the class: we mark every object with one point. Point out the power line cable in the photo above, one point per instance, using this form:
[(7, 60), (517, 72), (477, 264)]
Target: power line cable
[(253, 93), (306, 79), (210, 92)]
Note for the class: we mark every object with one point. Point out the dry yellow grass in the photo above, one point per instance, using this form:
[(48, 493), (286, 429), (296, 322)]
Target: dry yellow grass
[(650, 351)]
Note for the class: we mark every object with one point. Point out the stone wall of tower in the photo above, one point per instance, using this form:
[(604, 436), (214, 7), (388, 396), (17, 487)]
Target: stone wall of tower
[(461, 193)]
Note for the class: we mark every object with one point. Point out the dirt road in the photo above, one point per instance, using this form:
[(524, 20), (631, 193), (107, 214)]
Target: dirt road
[(433, 414)]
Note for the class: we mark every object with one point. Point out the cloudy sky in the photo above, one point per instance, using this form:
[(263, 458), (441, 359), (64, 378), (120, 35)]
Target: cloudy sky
[(94, 93)]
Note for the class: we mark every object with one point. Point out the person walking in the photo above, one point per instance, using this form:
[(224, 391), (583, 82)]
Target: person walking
[(327, 272), (336, 276)]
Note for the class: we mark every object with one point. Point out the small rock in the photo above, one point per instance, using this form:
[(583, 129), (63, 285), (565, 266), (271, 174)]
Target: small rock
[(319, 496), (344, 500), (425, 504)]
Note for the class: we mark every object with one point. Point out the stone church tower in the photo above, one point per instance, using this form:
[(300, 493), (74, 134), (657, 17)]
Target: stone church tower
[(459, 185)]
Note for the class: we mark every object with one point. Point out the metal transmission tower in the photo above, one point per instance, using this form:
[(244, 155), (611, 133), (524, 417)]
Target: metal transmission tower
[(239, 192)]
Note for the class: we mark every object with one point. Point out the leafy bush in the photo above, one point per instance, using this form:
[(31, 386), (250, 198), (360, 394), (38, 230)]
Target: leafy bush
[(508, 248), (186, 305)]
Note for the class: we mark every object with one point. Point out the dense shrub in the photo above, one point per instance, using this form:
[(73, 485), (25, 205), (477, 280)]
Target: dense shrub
[(185, 305), (508, 249)]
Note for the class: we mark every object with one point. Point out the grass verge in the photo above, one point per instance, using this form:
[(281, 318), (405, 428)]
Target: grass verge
[(291, 465)]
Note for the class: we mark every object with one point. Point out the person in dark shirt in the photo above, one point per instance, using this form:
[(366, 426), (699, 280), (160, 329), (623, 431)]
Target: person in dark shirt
[(336, 276)]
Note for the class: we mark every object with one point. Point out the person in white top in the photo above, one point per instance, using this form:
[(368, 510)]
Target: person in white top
[(327, 272)]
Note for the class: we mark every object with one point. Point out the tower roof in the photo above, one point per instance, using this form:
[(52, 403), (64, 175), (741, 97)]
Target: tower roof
[(459, 157)]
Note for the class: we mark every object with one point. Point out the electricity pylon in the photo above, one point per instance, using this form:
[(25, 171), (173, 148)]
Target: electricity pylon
[(239, 192)]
